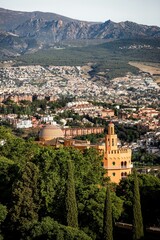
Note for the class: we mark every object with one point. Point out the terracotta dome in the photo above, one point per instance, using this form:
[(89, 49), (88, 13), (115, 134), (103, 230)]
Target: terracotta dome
[(50, 132)]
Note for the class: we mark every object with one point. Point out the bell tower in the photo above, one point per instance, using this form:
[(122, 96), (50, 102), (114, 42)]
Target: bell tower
[(116, 161), (111, 138)]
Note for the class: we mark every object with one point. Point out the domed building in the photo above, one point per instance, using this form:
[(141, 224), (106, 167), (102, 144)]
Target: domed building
[(50, 132)]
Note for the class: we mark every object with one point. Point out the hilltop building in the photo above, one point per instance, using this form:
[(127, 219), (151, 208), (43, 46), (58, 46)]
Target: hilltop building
[(116, 161)]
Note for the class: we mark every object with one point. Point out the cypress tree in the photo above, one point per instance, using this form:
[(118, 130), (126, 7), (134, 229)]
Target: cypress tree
[(26, 198), (71, 205), (107, 217), (137, 214)]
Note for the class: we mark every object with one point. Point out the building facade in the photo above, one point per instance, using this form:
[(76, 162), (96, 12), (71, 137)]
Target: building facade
[(116, 161)]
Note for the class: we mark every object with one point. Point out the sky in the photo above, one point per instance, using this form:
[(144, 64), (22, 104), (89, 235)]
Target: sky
[(140, 11)]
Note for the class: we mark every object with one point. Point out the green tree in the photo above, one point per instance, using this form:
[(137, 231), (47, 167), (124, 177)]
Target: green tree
[(16, 148), (29, 172), (8, 174), (49, 229), (53, 173), (26, 199), (91, 200), (150, 194), (3, 214), (137, 214), (71, 204), (107, 217)]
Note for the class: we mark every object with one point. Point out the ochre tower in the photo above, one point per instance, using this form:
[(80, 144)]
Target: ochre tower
[(117, 161)]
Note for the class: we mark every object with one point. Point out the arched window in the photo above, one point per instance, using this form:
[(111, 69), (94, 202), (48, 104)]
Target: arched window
[(122, 164), (123, 174), (125, 164), (112, 130), (112, 141)]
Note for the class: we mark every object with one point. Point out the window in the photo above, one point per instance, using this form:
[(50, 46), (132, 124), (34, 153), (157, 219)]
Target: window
[(112, 142), (113, 163), (123, 174), (113, 174), (112, 131)]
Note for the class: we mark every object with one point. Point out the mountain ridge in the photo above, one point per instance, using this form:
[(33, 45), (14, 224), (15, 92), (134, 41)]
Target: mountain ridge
[(30, 31)]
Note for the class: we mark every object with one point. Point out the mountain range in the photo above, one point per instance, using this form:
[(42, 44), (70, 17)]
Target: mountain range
[(24, 32)]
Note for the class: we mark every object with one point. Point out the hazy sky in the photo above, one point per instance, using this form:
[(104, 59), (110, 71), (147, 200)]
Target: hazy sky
[(139, 11)]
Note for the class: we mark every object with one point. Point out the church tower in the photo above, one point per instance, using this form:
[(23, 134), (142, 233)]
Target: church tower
[(117, 161)]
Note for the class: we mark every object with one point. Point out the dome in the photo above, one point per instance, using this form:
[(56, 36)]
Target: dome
[(50, 132)]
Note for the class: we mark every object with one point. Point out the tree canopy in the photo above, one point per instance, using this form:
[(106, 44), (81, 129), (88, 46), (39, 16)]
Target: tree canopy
[(33, 187), (33, 184)]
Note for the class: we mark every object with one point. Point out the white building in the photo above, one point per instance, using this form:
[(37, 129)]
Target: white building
[(24, 124)]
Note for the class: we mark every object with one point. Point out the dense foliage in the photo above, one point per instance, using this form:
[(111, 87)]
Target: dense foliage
[(149, 187), (142, 158), (30, 108), (35, 182), (107, 219), (33, 187), (71, 204), (137, 214)]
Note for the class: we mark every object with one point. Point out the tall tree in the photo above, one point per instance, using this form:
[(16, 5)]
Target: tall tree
[(137, 214), (149, 187), (3, 214), (26, 198), (71, 205), (107, 218)]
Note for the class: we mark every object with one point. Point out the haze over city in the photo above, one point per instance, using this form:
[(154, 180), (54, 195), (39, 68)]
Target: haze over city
[(139, 11)]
